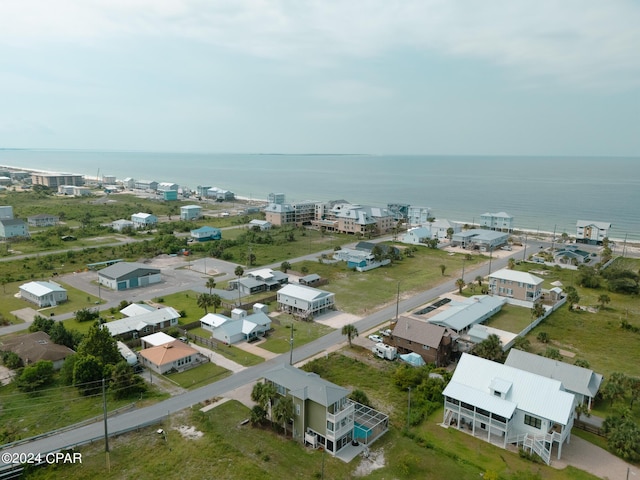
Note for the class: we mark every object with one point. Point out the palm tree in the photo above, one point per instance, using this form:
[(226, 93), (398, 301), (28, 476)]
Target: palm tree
[(604, 299), (582, 409), (216, 301), (490, 348), (239, 271), (263, 394), (443, 267), (284, 266), (350, 331), (537, 310), (460, 283), (479, 280), (283, 412), (211, 284), (204, 301), (511, 264)]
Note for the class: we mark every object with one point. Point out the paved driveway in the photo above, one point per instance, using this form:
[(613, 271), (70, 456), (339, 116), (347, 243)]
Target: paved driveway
[(590, 458)]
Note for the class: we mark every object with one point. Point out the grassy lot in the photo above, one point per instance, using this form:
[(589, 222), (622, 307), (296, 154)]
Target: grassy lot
[(199, 376), (303, 332), (361, 293), (25, 415), (229, 450), (589, 335), (511, 319), (9, 302)]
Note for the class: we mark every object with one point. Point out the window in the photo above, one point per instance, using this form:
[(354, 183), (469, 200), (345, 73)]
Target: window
[(329, 426), (297, 409), (533, 421)]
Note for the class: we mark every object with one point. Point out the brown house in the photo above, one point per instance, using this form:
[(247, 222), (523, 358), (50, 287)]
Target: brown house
[(37, 346), (432, 342)]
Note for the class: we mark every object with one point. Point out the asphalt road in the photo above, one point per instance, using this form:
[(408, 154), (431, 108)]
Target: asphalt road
[(157, 412)]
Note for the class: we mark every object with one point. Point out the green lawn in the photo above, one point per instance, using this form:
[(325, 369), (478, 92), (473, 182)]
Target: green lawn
[(511, 319), (303, 332), (362, 293), (199, 376), (25, 415), (76, 300)]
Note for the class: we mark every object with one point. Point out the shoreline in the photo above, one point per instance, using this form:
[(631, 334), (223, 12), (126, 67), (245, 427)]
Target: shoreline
[(524, 230)]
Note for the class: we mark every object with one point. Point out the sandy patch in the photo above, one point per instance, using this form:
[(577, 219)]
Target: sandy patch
[(190, 433), (368, 464)]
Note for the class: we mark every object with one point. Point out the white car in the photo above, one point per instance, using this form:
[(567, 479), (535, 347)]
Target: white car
[(375, 338), (386, 333)]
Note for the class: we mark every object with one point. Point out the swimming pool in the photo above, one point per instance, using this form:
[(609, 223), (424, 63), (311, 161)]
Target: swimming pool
[(361, 432)]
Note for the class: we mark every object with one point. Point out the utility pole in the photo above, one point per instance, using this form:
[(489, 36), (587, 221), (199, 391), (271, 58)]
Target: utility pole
[(524, 253), (291, 345), (397, 302), (409, 409), (106, 432), (490, 258)]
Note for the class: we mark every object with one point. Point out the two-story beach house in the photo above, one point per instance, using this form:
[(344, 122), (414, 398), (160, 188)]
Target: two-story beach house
[(592, 233), (505, 405), (305, 301), (515, 285)]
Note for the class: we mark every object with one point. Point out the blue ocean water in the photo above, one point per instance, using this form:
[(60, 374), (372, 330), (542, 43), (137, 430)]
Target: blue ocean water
[(543, 193)]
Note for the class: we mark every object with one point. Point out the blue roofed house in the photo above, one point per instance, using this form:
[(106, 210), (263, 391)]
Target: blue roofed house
[(506, 405), (206, 233)]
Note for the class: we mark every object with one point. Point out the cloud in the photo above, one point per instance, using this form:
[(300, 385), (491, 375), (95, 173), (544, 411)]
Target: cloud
[(589, 43)]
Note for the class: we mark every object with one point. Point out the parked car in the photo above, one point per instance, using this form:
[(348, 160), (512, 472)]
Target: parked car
[(375, 338), (386, 333)]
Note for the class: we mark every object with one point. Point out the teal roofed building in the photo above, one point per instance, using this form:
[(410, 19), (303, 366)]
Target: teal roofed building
[(206, 233)]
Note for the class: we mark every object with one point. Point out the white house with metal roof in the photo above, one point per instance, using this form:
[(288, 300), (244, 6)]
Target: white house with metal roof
[(591, 232), (121, 224), (484, 240), (305, 301), (190, 212), (124, 275), (582, 382), (43, 294), (144, 220), (241, 326), (515, 285), (144, 324), (506, 405), (417, 236), (462, 313)]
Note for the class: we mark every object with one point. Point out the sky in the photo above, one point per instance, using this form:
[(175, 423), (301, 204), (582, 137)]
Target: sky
[(442, 77)]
